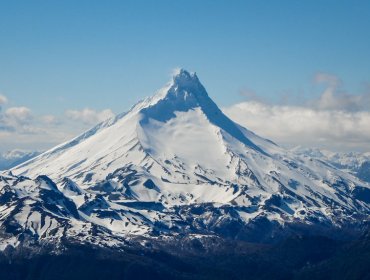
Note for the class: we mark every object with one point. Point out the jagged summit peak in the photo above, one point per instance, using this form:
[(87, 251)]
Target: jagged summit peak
[(184, 80), (187, 93), (181, 76), (183, 92)]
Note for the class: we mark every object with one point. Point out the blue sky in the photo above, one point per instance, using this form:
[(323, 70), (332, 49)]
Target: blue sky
[(70, 55)]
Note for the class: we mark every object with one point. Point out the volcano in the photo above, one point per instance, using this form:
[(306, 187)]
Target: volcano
[(174, 164)]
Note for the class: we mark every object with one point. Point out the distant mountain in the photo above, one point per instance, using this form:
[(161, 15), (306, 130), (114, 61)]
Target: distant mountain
[(13, 158), (174, 166), (357, 164)]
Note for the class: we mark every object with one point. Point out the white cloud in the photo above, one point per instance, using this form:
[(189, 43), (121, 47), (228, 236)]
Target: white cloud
[(3, 99), (49, 120), (89, 116), (19, 114), (336, 120), (332, 100), (175, 71), (21, 128), (298, 125), (335, 98)]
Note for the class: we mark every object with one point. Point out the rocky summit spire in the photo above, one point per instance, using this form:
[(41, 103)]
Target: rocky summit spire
[(182, 77), (186, 93), (186, 84)]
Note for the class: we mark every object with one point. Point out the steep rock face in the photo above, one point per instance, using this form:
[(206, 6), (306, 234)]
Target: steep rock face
[(175, 164)]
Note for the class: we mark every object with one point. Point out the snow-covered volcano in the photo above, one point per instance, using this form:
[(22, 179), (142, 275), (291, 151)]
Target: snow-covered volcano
[(173, 164), (179, 124)]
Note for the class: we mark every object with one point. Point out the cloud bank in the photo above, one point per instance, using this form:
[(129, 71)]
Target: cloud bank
[(293, 125), (336, 120), (21, 128)]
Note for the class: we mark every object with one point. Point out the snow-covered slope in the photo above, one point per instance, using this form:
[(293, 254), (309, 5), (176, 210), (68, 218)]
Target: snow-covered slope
[(176, 164), (355, 163), (180, 123)]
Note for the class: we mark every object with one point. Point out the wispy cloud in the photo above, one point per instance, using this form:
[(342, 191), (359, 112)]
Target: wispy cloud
[(336, 98), (330, 79), (89, 116), (330, 100)]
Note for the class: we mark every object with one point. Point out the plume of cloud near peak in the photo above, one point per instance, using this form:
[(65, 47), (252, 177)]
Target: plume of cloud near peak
[(175, 71)]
